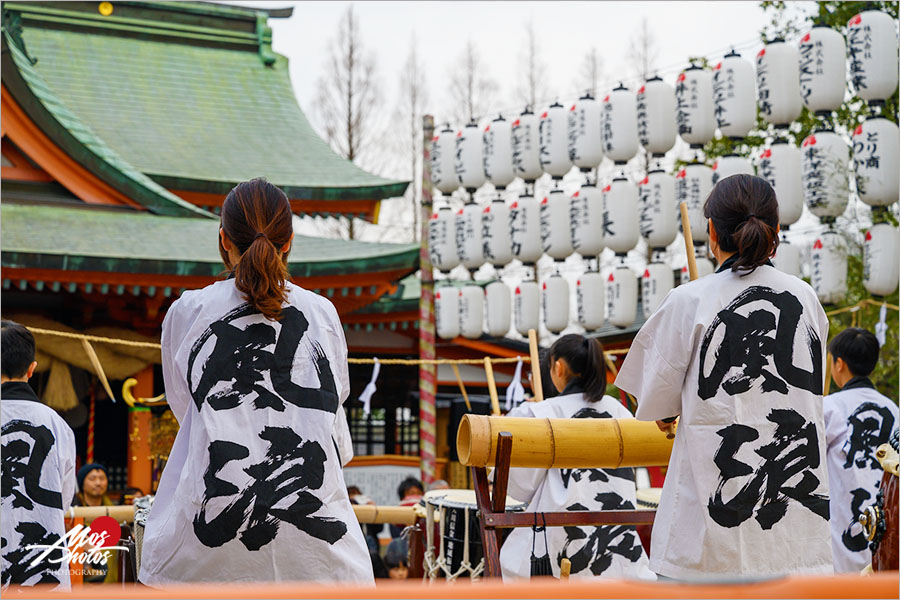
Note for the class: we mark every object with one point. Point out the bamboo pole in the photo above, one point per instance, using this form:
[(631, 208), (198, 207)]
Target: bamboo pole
[(563, 443), (827, 383), (462, 386), (492, 386), (688, 241), (536, 386)]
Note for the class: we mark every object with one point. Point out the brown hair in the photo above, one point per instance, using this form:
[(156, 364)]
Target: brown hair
[(256, 218), (744, 211), (584, 356)]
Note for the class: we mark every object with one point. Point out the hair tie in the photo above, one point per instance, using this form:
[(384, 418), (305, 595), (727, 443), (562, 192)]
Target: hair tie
[(261, 234)]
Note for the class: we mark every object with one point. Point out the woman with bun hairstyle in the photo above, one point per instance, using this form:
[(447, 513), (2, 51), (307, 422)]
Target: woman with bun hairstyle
[(738, 357), (255, 371), (578, 374)]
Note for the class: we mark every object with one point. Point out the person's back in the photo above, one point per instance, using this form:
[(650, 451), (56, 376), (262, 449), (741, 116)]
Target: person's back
[(858, 419), (738, 356), (38, 470), (253, 489)]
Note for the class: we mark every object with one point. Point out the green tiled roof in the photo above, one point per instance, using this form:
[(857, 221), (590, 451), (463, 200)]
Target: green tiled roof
[(96, 239), (195, 108)]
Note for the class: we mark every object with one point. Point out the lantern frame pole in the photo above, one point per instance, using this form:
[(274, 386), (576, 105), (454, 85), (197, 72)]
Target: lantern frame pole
[(427, 371)]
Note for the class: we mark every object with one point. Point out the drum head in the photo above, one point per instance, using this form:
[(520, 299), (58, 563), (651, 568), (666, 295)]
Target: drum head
[(648, 497), (464, 499)]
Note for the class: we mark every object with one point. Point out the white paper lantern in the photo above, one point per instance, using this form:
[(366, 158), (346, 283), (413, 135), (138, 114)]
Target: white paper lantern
[(829, 268), (693, 183), (554, 138), (778, 83), (881, 259), (471, 311), (787, 258), (589, 292), (496, 241), (442, 239), (731, 164), (585, 142), (621, 216), (659, 213), (497, 153), (446, 312), (556, 233), (658, 280), (469, 246), (826, 184), (823, 69), (526, 146), (526, 305), (780, 165), (656, 116), (469, 159), (555, 303), (586, 213), (525, 229), (498, 301), (734, 96), (443, 161), (619, 125), (694, 111), (704, 267), (621, 296), (872, 49), (876, 152)]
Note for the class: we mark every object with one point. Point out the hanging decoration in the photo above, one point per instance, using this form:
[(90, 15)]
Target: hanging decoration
[(471, 311), (555, 303), (589, 294), (469, 160), (778, 83), (446, 311), (692, 185), (621, 296), (659, 212), (586, 212), (525, 229), (876, 154), (556, 234), (619, 125), (881, 259), (585, 142), (526, 305), (497, 153), (826, 186), (780, 165), (829, 268), (526, 148), (554, 140), (730, 164), (656, 116), (495, 236), (704, 266), (443, 161), (872, 50), (823, 69), (621, 219), (442, 240), (469, 245), (694, 110), (734, 94), (657, 281), (787, 258), (498, 302)]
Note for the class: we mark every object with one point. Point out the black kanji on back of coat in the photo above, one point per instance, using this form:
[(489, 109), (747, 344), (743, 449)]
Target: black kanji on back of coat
[(754, 337), (602, 542), (793, 453), (239, 364), (23, 462), (870, 426), (20, 571), (280, 490)]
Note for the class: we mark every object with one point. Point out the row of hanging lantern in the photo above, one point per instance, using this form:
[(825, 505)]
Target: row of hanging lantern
[(786, 78)]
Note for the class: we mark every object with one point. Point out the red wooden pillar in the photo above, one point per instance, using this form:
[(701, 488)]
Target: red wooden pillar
[(140, 466)]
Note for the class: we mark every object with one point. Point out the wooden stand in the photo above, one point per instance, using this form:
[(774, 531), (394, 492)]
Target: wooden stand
[(493, 518)]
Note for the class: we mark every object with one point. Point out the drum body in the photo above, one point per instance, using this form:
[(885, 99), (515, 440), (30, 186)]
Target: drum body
[(885, 556), (647, 499)]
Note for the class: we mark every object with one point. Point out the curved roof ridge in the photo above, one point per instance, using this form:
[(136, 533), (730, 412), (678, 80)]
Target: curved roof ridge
[(107, 162)]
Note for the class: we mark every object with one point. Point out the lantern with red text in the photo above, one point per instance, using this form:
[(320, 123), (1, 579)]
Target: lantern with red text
[(780, 165), (692, 185), (621, 296), (876, 152), (656, 116), (657, 281), (823, 69), (442, 239), (585, 142), (553, 133), (787, 258), (495, 236), (469, 161), (526, 306), (828, 266), (826, 184), (471, 311), (872, 49), (659, 213), (881, 259), (446, 311), (498, 303), (619, 125), (556, 233), (621, 216), (589, 292), (586, 213), (525, 229), (778, 83), (468, 236), (497, 153), (730, 164), (526, 146), (443, 161), (694, 112), (555, 303), (734, 94)]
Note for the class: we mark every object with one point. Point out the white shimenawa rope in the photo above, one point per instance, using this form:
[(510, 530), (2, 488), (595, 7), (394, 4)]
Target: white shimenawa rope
[(515, 393)]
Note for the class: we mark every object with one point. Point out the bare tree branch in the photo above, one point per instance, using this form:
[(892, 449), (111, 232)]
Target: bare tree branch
[(590, 72), (533, 87), (471, 88), (643, 51)]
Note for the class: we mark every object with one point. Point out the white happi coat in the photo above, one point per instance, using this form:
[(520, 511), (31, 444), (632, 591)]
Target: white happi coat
[(857, 420), (38, 487), (741, 361), (609, 551), (253, 489)]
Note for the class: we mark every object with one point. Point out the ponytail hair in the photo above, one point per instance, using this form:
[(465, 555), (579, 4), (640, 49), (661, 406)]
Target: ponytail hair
[(744, 211), (256, 218), (585, 359)]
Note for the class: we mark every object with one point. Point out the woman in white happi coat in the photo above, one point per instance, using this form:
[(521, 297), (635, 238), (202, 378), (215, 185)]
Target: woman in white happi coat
[(255, 372), (578, 373), (739, 357)]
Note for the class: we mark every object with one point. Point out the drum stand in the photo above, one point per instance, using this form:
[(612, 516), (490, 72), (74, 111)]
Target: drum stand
[(492, 515)]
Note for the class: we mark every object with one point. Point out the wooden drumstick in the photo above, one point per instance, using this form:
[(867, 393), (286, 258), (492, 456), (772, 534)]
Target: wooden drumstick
[(536, 387), (492, 386), (565, 567)]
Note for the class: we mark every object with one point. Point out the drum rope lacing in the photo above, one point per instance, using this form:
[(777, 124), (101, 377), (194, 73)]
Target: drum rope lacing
[(435, 565)]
